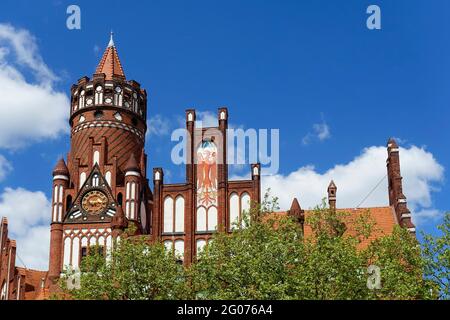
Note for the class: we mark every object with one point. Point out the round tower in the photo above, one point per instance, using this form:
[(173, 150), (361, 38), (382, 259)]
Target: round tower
[(106, 166), (61, 179), (109, 106)]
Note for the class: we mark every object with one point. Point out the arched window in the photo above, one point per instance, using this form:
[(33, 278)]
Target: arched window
[(201, 219), (67, 252), (179, 250), (168, 214), (174, 214), (212, 219), (75, 252), (95, 180), (99, 95), (118, 97), (68, 202), (201, 243), (169, 245), (179, 214), (234, 210), (96, 159), (108, 177), (120, 198), (245, 205), (81, 100), (82, 179)]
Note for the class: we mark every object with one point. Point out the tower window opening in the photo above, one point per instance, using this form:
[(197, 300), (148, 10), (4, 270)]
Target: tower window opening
[(68, 202), (120, 198), (98, 114)]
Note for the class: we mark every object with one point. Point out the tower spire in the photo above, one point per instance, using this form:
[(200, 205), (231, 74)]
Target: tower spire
[(110, 63), (111, 40)]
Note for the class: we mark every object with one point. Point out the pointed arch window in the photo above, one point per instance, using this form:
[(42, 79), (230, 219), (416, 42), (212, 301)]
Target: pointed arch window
[(108, 177), (238, 205), (82, 179), (174, 214), (96, 159)]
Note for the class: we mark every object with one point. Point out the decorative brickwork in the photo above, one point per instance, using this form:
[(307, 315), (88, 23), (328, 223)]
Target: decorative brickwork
[(104, 187)]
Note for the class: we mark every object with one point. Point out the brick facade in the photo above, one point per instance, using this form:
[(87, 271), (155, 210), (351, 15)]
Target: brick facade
[(104, 186)]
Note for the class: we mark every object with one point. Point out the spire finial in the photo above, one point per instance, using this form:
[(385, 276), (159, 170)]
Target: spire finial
[(111, 40)]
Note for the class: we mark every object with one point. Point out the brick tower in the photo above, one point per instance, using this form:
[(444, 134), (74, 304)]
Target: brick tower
[(103, 186)]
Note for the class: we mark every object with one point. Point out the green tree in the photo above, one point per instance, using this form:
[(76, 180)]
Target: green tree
[(270, 258), (135, 270), (255, 262), (332, 267), (436, 252), (399, 257)]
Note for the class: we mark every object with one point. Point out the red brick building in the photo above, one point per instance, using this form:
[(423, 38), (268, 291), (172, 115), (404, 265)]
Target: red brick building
[(104, 185)]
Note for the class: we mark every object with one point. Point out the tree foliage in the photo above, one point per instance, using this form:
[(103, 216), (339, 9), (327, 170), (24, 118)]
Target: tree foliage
[(436, 252), (270, 258), (135, 270)]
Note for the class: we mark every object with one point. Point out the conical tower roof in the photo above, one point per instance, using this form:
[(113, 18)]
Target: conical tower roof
[(132, 164), (110, 63), (61, 168)]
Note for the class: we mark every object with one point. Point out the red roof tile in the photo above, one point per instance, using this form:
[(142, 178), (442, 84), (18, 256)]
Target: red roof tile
[(110, 63)]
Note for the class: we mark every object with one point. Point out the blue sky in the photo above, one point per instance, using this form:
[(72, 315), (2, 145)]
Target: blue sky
[(299, 66)]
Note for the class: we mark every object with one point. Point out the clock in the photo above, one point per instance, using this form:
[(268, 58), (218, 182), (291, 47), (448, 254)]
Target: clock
[(94, 202)]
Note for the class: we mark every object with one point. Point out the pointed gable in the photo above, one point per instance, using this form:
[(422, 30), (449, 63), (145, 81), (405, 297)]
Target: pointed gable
[(96, 183)]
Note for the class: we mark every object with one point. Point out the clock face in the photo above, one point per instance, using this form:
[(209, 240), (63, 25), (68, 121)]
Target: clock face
[(94, 202)]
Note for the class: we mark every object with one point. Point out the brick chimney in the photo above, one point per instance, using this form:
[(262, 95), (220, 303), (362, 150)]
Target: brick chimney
[(396, 197), (332, 190)]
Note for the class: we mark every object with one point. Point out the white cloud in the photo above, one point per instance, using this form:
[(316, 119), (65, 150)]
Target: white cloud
[(28, 215), (321, 132), (421, 173), (5, 167), (158, 125), (97, 50), (207, 119), (31, 108)]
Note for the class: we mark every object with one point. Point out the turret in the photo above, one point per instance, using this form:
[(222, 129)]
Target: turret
[(61, 179), (332, 190), (297, 212), (256, 178), (158, 183), (132, 187)]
